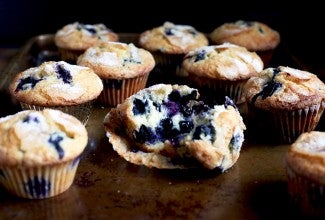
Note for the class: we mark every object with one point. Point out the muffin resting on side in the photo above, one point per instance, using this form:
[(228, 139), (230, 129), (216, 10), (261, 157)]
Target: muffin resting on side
[(221, 70), (167, 127), (255, 36), (169, 43), (123, 68), (73, 39), (58, 85), (39, 152), (288, 100), (305, 165)]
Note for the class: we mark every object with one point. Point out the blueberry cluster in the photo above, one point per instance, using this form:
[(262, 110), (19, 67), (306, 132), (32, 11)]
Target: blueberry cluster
[(185, 115)]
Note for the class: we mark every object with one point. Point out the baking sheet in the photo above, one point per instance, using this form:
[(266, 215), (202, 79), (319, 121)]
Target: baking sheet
[(107, 186)]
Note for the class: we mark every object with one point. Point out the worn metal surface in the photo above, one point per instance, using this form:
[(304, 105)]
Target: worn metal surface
[(108, 187)]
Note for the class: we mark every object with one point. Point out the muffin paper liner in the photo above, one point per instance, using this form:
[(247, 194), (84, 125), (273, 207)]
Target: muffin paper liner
[(214, 90), (70, 56), (306, 196), (39, 182), (80, 111), (113, 95)]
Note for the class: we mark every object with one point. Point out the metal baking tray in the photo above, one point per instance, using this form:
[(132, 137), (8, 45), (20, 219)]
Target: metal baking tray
[(107, 186)]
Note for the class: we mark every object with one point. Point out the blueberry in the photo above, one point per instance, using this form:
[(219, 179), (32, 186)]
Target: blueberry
[(200, 107), (169, 31), (186, 110), (205, 130), (63, 73), (185, 126), (91, 30), (27, 83), (144, 135), (200, 55), (130, 60), (29, 118), (166, 124), (37, 187), (228, 102), (192, 96), (270, 87), (157, 106), (55, 140), (234, 145), (140, 107), (260, 29), (174, 96), (166, 130), (173, 108), (113, 83)]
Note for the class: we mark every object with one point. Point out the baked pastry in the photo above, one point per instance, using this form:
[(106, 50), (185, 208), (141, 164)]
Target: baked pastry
[(305, 165), (60, 85), (74, 38), (39, 152), (285, 99), (166, 126), (168, 44), (123, 68), (221, 70), (255, 36)]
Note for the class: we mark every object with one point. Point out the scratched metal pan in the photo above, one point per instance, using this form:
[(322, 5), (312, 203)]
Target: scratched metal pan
[(107, 186)]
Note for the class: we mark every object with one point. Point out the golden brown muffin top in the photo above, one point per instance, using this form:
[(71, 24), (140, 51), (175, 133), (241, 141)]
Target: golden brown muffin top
[(255, 36), (284, 88), (35, 138), (115, 60), (225, 62), (78, 36), (306, 156), (172, 39), (56, 84)]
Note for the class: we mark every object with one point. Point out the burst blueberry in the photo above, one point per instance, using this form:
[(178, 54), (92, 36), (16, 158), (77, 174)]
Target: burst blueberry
[(140, 107), (205, 130), (185, 126), (55, 140), (200, 55), (63, 73), (144, 135), (27, 83), (29, 119)]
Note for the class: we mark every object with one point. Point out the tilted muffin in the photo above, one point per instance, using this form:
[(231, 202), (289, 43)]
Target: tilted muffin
[(39, 152), (305, 165), (166, 126), (123, 68), (221, 70), (169, 43), (73, 39), (255, 36), (60, 85), (291, 99)]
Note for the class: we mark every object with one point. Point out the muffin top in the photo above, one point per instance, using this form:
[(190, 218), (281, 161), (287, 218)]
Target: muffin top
[(225, 62), (115, 60), (78, 36), (166, 126), (306, 156), (284, 88), (172, 39), (33, 138), (56, 84), (253, 35)]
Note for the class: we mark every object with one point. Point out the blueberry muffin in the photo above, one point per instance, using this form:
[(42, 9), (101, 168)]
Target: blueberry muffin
[(255, 36), (169, 43), (39, 152), (305, 165), (123, 68), (221, 70), (73, 39), (60, 85), (166, 126), (285, 99)]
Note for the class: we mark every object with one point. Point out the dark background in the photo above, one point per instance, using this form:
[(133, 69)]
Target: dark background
[(300, 26)]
